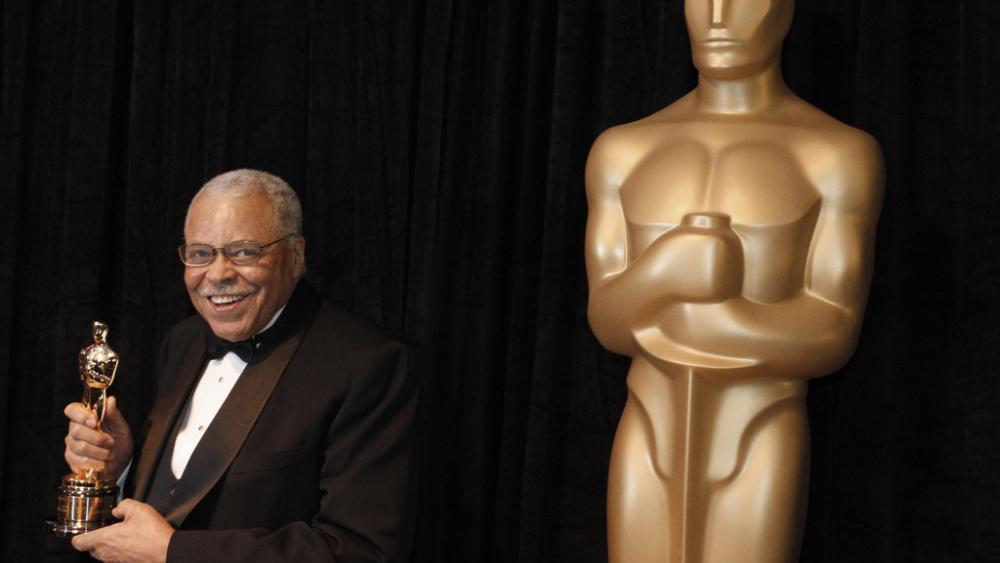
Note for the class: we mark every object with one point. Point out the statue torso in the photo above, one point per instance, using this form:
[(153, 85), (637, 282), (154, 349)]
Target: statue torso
[(768, 177), (749, 171)]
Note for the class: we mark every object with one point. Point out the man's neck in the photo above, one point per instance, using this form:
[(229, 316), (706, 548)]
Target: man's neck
[(274, 319), (744, 95)]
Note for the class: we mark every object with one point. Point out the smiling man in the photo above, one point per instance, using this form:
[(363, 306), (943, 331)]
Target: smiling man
[(282, 428), (238, 300)]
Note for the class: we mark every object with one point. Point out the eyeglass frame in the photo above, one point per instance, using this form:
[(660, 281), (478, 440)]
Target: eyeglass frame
[(216, 250)]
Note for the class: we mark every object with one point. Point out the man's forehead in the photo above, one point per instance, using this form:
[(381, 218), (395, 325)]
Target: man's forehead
[(219, 212)]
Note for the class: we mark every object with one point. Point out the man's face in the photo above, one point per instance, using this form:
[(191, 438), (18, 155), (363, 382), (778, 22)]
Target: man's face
[(733, 39), (239, 301)]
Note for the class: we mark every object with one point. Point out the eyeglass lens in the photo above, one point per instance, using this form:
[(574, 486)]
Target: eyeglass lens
[(241, 252)]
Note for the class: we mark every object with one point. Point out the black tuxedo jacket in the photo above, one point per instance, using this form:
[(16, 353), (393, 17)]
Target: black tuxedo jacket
[(312, 457)]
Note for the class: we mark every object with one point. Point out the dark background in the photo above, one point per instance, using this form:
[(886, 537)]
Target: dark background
[(438, 147)]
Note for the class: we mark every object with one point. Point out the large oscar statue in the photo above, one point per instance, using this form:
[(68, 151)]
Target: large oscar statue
[(86, 499), (729, 253)]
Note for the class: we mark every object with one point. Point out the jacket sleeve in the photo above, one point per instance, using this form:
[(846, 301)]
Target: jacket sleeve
[(367, 487)]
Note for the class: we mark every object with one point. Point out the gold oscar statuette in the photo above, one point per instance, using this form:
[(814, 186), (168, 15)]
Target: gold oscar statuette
[(86, 498)]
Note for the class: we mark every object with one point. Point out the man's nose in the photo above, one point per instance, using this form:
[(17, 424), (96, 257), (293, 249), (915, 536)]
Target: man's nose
[(220, 269)]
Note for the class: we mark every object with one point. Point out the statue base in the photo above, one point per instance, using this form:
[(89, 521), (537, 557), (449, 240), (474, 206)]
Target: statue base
[(85, 504)]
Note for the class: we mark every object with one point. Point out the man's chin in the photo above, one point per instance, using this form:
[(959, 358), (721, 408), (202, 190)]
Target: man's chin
[(228, 329), (230, 335), (231, 321)]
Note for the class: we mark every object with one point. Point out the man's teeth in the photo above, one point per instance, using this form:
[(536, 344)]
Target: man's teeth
[(225, 299)]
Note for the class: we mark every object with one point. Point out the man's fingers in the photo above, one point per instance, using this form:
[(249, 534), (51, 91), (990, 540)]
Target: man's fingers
[(82, 454), (79, 463), (142, 535), (106, 449), (83, 449), (88, 541), (124, 509), (80, 414), (82, 434)]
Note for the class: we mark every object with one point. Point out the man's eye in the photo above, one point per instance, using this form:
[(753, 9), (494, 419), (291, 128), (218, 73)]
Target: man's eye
[(199, 254), (244, 252)]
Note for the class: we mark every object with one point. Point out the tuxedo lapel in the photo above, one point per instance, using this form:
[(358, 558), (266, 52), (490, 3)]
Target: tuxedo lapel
[(225, 436), (164, 416)]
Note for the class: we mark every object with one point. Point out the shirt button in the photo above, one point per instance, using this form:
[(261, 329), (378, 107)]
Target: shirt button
[(202, 427), (220, 379)]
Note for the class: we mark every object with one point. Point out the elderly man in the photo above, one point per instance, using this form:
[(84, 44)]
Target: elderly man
[(282, 428)]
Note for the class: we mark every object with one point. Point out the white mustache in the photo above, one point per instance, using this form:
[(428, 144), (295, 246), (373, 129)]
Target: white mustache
[(221, 291)]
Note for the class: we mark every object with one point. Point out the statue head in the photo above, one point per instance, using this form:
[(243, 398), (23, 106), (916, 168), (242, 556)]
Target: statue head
[(734, 39), (98, 362)]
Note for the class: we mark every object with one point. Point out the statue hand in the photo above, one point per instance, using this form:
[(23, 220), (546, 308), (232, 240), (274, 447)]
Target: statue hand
[(107, 450), (699, 261)]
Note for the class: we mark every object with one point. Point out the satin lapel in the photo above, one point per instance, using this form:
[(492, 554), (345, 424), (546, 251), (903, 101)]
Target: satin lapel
[(163, 417), (229, 429)]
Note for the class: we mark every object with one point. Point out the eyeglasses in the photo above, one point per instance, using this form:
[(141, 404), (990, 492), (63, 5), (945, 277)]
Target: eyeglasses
[(241, 252)]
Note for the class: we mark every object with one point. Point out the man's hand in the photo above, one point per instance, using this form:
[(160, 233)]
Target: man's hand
[(107, 450), (142, 536)]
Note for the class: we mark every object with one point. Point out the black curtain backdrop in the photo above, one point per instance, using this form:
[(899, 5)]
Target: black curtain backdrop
[(438, 147)]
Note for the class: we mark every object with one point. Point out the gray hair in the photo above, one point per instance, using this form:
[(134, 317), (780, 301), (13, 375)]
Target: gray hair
[(246, 182)]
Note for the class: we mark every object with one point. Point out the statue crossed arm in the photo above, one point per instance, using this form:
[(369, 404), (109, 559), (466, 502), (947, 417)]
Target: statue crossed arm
[(695, 295)]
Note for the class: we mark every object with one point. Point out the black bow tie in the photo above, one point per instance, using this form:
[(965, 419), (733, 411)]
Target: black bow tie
[(217, 348)]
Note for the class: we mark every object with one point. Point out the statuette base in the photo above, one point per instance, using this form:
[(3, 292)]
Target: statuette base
[(85, 504)]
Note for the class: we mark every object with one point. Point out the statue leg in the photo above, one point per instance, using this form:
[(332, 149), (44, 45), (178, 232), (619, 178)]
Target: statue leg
[(758, 515), (99, 397), (638, 510), (93, 399)]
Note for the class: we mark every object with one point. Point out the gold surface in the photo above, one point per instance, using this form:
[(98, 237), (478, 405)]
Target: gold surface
[(98, 366), (729, 253), (86, 499)]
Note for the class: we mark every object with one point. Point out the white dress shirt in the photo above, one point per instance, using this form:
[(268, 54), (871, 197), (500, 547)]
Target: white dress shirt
[(218, 379)]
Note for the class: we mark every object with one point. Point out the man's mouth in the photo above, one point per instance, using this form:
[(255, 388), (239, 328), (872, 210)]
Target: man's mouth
[(223, 300)]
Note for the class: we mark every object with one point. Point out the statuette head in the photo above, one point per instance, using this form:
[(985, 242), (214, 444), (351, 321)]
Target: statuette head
[(98, 362)]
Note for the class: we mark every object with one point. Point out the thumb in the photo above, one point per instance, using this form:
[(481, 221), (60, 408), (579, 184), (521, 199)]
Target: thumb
[(114, 422), (125, 508)]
